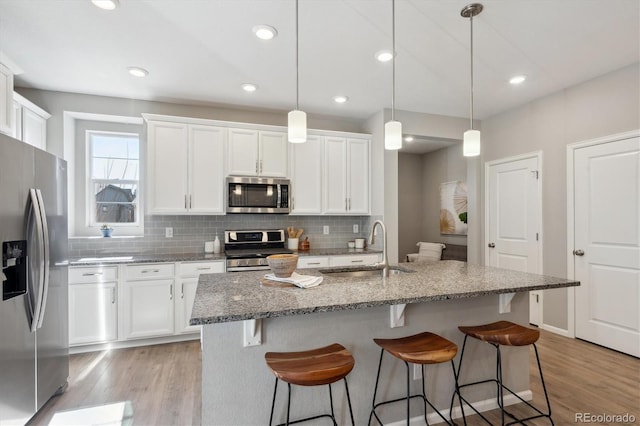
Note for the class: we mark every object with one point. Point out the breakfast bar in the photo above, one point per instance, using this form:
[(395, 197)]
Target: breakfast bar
[(352, 310)]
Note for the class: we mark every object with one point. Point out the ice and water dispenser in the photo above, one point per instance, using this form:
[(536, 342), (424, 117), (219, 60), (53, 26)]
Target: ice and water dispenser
[(14, 269)]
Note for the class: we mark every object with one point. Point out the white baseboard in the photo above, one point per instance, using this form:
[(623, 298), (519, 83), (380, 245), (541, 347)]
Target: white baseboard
[(556, 330), (133, 343), (481, 406)]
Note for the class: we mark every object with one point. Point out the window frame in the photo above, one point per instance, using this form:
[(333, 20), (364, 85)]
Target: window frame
[(90, 199)]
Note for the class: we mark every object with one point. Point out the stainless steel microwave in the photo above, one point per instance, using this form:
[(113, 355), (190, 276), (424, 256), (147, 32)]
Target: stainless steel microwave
[(257, 195)]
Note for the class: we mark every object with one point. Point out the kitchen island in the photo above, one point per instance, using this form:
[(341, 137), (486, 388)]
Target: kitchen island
[(237, 385)]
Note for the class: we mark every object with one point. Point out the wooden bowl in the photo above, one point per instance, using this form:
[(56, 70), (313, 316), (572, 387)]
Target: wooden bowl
[(283, 265)]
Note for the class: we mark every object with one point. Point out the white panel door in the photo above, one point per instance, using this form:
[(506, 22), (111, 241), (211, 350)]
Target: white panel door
[(93, 313), (184, 305), (273, 154), (34, 129), (167, 167), (607, 244), (243, 152), (306, 164), (206, 169), (148, 308), (358, 170), (513, 221), (6, 101), (335, 176)]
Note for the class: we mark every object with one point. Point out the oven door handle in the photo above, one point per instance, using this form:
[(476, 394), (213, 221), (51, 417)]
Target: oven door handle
[(247, 268)]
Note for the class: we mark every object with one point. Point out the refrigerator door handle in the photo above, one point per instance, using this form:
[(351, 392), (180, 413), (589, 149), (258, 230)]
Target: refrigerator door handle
[(35, 300), (47, 263)]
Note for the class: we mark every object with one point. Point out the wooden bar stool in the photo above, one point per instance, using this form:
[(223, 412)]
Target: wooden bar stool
[(423, 348), (314, 367), (503, 333)]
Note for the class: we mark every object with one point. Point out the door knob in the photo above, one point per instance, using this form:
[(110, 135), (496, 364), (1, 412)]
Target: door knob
[(491, 245), (578, 252)]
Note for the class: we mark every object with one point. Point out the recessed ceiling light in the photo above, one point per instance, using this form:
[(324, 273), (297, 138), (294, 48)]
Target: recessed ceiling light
[(138, 72), (384, 55), (340, 99), (408, 138), (518, 79), (249, 87), (264, 32), (106, 4)]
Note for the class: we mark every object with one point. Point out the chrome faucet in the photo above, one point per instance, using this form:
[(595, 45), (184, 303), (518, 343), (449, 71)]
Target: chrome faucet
[(372, 240)]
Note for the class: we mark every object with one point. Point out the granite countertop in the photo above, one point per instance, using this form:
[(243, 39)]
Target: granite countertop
[(240, 296), (194, 257)]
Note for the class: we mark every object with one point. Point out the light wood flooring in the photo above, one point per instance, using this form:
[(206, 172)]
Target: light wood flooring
[(163, 382)]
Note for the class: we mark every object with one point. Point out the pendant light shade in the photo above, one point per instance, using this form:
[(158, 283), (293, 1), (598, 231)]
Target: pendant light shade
[(393, 128), (297, 126), (297, 120), (471, 140), (392, 135)]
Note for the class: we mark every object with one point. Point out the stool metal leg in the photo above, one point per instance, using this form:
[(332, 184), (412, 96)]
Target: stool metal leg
[(273, 403), (375, 391), (408, 392), (346, 387), (456, 391), (288, 402), (544, 387), (424, 392), (333, 415)]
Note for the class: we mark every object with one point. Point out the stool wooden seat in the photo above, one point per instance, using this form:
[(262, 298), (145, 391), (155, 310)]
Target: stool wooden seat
[(497, 334), (423, 348), (503, 333), (314, 367)]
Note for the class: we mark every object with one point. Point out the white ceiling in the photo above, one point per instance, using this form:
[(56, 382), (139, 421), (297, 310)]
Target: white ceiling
[(199, 52)]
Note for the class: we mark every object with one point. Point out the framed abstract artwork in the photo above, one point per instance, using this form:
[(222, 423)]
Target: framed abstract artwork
[(453, 208)]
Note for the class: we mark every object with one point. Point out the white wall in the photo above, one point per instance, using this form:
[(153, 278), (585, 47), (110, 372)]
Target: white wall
[(605, 105), (410, 202)]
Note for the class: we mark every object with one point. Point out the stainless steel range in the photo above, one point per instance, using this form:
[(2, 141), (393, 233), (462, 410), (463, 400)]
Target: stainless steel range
[(248, 250)]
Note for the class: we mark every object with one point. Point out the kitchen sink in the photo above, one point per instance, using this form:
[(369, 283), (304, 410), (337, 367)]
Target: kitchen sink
[(363, 272)]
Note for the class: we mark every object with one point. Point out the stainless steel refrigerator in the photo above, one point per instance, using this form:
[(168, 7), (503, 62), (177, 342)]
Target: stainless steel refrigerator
[(34, 332)]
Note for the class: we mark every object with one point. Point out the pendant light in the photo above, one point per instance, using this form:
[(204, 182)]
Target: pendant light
[(471, 140), (393, 128), (297, 120)]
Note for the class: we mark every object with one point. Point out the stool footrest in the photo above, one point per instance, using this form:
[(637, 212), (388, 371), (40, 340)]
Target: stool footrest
[(319, 416), (419, 395)]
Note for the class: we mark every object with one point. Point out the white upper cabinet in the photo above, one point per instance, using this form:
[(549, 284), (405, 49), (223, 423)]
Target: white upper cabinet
[(257, 153), (346, 176), (185, 168), (306, 165), (6, 101), (30, 122)]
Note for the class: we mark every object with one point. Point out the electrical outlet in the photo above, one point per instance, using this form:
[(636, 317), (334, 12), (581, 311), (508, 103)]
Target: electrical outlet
[(325, 230), (168, 232), (417, 371), (356, 228)]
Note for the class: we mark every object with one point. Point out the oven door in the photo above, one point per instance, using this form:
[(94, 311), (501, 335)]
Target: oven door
[(257, 195)]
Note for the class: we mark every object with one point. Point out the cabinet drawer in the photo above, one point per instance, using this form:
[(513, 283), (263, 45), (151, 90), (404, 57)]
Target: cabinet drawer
[(93, 274), (150, 271), (193, 269), (313, 262), (356, 260)]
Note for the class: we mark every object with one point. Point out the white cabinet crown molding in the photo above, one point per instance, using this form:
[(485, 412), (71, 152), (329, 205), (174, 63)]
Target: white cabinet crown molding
[(26, 103)]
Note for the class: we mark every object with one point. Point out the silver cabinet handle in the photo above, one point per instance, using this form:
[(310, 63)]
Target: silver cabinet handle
[(185, 201), (349, 204), (313, 263), (260, 166), (578, 252), (171, 292), (491, 245), (346, 205), (190, 205), (357, 261), (203, 268), (146, 271), (256, 166), (182, 291), (91, 274), (113, 295), (293, 203)]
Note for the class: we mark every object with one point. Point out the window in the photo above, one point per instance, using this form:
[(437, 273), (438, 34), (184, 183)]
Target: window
[(113, 179)]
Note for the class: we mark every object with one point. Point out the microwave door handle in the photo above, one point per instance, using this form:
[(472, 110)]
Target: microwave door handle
[(47, 258), (279, 201)]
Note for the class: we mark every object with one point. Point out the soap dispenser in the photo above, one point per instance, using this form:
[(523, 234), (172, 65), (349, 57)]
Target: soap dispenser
[(216, 245)]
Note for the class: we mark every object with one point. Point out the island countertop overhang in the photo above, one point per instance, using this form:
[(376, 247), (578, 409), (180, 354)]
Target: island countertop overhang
[(240, 296)]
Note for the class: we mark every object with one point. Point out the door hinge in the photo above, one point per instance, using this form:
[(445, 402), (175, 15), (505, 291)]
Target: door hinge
[(535, 173), (537, 237)]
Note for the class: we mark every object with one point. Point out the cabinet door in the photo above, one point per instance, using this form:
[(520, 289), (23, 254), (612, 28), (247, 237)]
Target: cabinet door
[(243, 152), (313, 261), (306, 164), (148, 308), (167, 186), (184, 304), (34, 129), (206, 169), (17, 117), (273, 154), (355, 260), (335, 176), (358, 176), (93, 313), (6, 101)]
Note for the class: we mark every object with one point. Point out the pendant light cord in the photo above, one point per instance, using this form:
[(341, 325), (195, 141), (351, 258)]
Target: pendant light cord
[(471, 102), (393, 65), (297, 67)]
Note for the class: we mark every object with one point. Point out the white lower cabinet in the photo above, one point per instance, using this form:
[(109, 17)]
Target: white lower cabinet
[(93, 305), (313, 262), (189, 272), (147, 301)]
